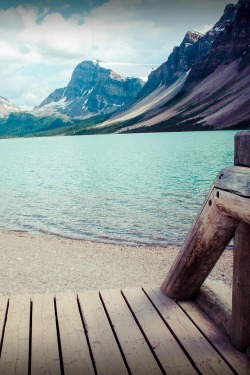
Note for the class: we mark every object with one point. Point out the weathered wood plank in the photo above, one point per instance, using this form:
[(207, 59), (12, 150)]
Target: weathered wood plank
[(241, 288), (3, 311), (233, 205), (242, 148), (44, 352), (235, 180), (15, 350), (214, 334), (215, 298), (208, 237), (134, 346), (207, 360), (106, 353), (166, 348), (75, 350)]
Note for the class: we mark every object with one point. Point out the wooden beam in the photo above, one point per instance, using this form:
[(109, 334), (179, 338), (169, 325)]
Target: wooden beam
[(209, 236), (233, 205), (234, 180), (241, 288), (241, 274), (242, 148), (215, 298)]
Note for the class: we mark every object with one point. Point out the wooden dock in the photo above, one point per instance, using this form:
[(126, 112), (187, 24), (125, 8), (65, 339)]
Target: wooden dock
[(130, 331)]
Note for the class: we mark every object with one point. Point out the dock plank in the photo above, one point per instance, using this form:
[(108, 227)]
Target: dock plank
[(132, 331), (214, 334), (205, 357), (107, 356), (15, 350), (45, 354), (75, 350), (3, 311), (137, 353), (166, 348)]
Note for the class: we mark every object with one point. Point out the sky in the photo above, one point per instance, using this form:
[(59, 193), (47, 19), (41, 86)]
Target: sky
[(41, 42)]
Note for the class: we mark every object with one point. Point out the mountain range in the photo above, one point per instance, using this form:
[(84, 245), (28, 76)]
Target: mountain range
[(203, 85)]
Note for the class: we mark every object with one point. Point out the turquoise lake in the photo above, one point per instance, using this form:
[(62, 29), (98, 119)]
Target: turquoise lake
[(138, 188)]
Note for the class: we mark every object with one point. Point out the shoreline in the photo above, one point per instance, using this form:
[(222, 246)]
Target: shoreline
[(33, 263), (102, 240)]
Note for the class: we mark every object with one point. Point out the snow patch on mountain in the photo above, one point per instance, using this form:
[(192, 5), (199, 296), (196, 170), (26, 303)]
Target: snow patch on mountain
[(6, 107)]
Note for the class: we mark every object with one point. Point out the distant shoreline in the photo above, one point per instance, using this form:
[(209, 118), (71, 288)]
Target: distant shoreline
[(38, 264)]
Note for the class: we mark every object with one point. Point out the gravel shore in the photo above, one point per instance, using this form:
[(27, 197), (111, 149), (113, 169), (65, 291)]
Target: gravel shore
[(38, 264)]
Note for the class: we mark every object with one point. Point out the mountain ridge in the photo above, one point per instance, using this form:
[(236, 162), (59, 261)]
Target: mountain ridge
[(191, 107)]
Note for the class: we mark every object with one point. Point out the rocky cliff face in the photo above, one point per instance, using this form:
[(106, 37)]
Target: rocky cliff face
[(205, 83), (192, 49), (93, 90), (179, 61), (231, 39)]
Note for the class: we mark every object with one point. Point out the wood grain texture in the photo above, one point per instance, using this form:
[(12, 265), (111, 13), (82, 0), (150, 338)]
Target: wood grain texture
[(242, 148), (233, 205), (188, 335), (107, 356), (206, 240), (234, 179), (134, 346), (75, 350), (215, 335), (171, 356), (132, 331), (15, 350), (216, 299), (45, 353), (241, 288)]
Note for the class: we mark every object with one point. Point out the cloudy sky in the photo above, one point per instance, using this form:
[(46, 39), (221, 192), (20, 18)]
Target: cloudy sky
[(42, 41)]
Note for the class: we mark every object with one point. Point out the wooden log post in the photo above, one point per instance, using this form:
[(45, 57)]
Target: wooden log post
[(227, 204), (242, 149), (208, 237), (240, 337)]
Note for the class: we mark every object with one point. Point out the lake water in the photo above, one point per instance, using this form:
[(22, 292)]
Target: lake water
[(138, 188)]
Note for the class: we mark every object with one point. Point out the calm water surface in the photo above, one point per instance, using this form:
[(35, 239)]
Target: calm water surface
[(142, 188)]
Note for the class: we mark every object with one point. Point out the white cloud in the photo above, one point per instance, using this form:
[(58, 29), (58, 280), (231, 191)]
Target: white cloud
[(37, 57)]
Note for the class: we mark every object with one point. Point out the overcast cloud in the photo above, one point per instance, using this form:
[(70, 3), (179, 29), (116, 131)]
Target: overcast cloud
[(42, 42)]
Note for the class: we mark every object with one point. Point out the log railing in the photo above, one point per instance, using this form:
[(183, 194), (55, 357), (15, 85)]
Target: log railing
[(225, 214)]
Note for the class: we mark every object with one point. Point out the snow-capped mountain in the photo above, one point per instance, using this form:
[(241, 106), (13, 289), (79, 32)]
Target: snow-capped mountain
[(7, 107), (92, 90)]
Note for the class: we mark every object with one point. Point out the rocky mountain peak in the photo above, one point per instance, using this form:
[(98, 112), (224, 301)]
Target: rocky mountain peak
[(93, 90), (192, 37), (7, 107)]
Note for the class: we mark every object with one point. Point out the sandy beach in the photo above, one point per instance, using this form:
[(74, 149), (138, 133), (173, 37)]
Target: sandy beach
[(37, 264)]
